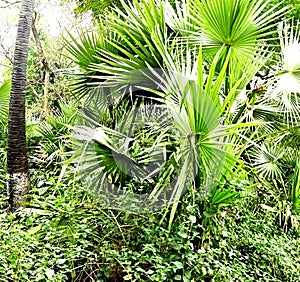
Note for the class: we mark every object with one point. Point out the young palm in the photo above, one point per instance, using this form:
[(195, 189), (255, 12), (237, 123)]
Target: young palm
[(197, 86), (278, 156)]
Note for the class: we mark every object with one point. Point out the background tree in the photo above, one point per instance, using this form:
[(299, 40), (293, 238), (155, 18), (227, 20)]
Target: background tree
[(97, 7), (100, 7), (17, 162)]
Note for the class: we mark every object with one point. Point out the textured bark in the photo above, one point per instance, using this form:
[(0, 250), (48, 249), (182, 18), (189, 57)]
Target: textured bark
[(17, 162)]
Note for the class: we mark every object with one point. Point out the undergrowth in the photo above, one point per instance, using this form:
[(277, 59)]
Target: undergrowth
[(65, 235)]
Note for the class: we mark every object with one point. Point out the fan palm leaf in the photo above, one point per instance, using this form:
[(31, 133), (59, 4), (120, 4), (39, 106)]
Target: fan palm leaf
[(196, 82), (110, 159), (287, 91), (83, 52), (241, 25), (295, 191), (192, 96), (143, 31), (4, 99), (177, 18)]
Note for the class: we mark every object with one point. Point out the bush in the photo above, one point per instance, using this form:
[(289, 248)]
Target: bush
[(65, 236)]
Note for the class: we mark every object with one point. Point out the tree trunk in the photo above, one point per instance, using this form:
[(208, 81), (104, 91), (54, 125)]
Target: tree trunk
[(17, 163)]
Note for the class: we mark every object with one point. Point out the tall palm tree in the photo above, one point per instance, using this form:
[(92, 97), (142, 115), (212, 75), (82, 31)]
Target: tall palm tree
[(17, 162)]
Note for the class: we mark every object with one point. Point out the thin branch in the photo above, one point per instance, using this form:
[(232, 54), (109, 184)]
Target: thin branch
[(44, 62), (8, 3), (6, 53)]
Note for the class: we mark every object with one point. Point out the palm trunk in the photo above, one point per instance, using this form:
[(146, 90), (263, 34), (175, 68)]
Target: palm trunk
[(17, 163)]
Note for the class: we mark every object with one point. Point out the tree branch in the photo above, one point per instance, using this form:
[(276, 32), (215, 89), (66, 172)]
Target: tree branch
[(44, 62), (8, 3)]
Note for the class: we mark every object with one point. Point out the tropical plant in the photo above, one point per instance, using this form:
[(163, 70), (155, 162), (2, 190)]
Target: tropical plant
[(4, 100), (127, 42), (49, 140), (295, 191), (293, 11), (17, 163), (288, 75), (197, 81), (241, 26), (4, 104), (276, 156)]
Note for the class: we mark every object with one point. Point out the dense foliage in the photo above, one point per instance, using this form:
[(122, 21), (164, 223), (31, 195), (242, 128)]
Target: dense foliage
[(232, 154), (100, 8), (66, 236)]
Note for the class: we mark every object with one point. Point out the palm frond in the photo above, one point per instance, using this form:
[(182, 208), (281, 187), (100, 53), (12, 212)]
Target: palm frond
[(110, 160), (4, 99), (143, 32), (240, 25), (265, 160), (192, 98), (295, 191), (287, 90), (178, 18), (196, 81), (83, 51)]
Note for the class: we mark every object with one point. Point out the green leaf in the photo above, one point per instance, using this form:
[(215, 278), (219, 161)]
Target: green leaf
[(4, 99), (34, 229), (50, 273), (127, 277), (193, 219), (183, 234), (242, 26), (178, 264), (61, 261)]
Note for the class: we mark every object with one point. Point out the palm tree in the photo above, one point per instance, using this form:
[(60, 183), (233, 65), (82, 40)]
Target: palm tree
[(200, 76), (17, 162)]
